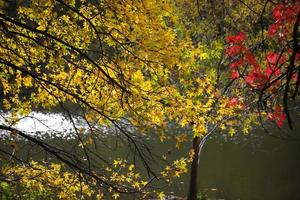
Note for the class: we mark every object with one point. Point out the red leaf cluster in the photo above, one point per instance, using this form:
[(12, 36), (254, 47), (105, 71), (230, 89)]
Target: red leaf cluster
[(233, 102), (236, 44), (234, 50), (236, 39), (278, 116), (284, 16), (234, 74), (245, 64), (274, 60), (237, 64)]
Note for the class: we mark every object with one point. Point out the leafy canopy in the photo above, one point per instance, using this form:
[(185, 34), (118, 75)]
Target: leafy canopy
[(148, 62)]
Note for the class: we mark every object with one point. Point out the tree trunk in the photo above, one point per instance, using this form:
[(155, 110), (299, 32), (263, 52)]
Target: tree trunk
[(192, 195)]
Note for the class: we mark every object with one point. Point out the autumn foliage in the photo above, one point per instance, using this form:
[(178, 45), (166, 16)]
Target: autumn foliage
[(267, 73), (146, 64)]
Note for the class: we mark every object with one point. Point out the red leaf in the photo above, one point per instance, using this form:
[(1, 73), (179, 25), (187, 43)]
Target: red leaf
[(252, 61), (250, 78), (233, 102), (280, 120), (279, 116), (290, 12), (273, 28), (239, 38), (274, 58), (278, 11), (237, 64), (295, 77), (233, 50), (272, 70), (234, 74), (269, 71), (257, 77)]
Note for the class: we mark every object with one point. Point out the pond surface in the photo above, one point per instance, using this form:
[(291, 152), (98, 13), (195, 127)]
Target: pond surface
[(258, 166)]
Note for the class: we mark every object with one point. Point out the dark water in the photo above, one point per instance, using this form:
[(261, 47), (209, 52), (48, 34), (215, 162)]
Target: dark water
[(258, 166)]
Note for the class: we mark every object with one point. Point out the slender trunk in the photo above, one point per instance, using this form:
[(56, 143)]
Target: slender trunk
[(192, 195)]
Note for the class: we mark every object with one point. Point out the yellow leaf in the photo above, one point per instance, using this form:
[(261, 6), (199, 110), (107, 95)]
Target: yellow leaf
[(116, 195), (131, 167), (161, 195)]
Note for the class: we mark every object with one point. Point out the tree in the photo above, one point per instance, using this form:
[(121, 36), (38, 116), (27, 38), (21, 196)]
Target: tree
[(144, 62), (270, 75)]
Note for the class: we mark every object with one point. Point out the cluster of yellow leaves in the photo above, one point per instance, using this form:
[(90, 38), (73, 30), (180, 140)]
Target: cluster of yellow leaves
[(123, 173), (50, 182), (91, 55), (178, 167)]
